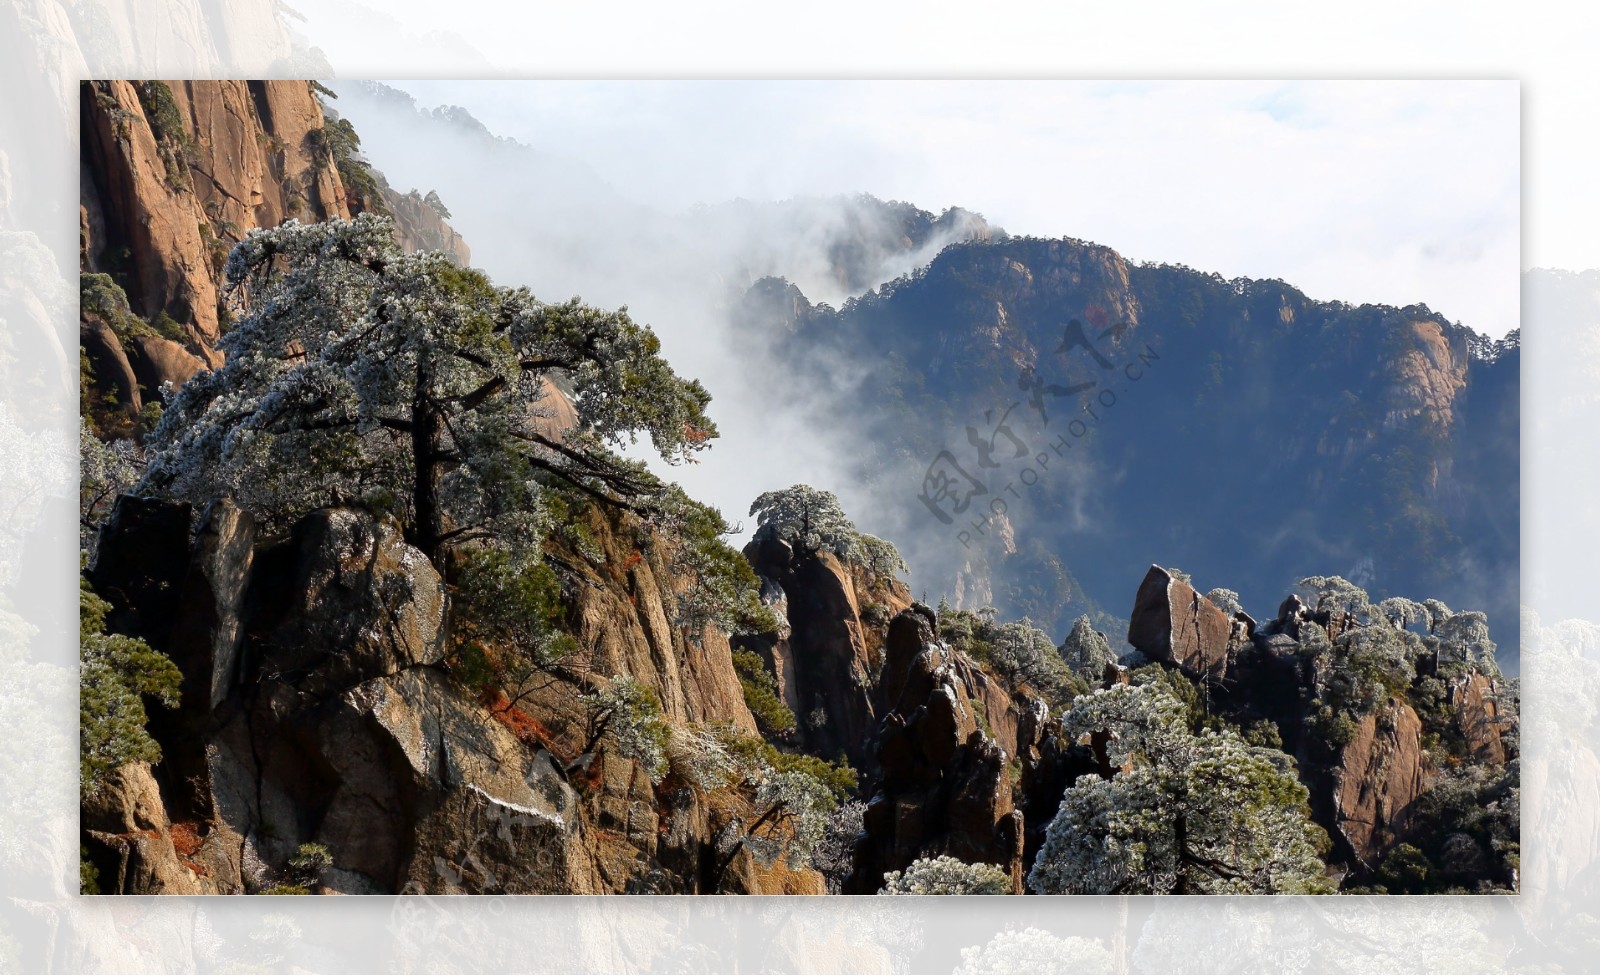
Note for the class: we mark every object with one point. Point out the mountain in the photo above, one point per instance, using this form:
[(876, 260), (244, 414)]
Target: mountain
[(546, 219), (1114, 413), (322, 699), (176, 173)]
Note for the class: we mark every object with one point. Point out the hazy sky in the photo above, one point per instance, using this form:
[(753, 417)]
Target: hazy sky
[(1393, 192)]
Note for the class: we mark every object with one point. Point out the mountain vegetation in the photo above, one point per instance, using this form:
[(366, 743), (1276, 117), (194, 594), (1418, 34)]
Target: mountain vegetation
[(1025, 406), (378, 597)]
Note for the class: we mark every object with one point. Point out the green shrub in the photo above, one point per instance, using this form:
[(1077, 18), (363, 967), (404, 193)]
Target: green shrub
[(499, 599), (880, 557), (1405, 871), (167, 327), (1333, 729), (309, 862), (337, 141), (173, 141), (874, 613), (286, 889), (1265, 734), (515, 608), (115, 675), (88, 874), (753, 753), (99, 295), (760, 686)]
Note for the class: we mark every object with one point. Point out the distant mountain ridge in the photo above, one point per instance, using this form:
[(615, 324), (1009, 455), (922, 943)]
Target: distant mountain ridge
[(1265, 435)]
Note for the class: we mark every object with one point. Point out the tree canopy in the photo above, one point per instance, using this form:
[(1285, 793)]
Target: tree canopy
[(115, 675), (1182, 814), (1086, 651), (812, 519), (356, 373), (1024, 651), (945, 875)]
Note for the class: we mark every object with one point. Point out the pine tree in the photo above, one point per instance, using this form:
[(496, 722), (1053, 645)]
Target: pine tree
[(358, 374), (1180, 814)]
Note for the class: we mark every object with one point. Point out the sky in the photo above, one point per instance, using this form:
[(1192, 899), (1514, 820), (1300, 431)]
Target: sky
[(1383, 192), (1361, 191)]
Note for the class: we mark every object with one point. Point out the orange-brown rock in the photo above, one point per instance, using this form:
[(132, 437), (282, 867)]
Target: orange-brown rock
[(1174, 624), (624, 620), (1478, 717), (1427, 377), (163, 199), (420, 227), (554, 414), (158, 362), (1380, 772), (152, 218), (113, 374), (137, 849), (828, 662), (256, 159), (315, 684)]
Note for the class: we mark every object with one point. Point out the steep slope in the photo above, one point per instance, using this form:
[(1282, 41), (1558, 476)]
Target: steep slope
[(177, 172), (321, 707), (1043, 418), (173, 175), (343, 729)]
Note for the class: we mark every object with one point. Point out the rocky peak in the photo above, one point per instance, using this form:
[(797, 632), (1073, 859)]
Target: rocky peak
[(1427, 375), (946, 784), (828, 662), (174, 174), (1174, 624)]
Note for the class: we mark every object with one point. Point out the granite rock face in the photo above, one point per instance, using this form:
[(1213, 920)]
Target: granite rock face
[(1172, 623), (317, 708), (946, 774), (1378, 776), (828, 659), (174, 174)]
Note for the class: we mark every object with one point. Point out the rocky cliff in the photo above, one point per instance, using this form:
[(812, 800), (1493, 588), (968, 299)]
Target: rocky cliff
[(1054, 415), (1381, 733), (947, 774), (344, 726), (173, 175), (828, 657), (321, 707)]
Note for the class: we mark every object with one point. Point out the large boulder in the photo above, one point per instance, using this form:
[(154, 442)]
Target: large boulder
[(481, 811), (345, 732), (346, 599), (113, 374), (138, 850), (946, 785), (1379, 774), (1174, 624), (158, 362)]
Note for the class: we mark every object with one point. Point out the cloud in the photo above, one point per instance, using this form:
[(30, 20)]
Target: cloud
[(661, 196), (1392, 192)]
